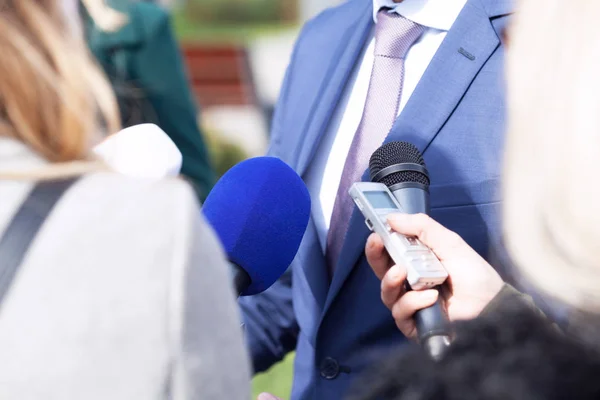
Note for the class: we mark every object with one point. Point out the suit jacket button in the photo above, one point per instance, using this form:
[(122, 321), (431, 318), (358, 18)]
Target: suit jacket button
[(330, 368)]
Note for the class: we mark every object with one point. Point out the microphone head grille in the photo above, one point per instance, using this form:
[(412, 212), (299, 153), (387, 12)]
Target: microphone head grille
[(393, 153)]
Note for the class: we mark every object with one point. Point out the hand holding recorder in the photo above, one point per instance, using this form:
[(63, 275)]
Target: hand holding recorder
[(471, 284)]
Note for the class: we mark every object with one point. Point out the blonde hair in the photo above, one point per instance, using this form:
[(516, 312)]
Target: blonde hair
[(552, 199), (53, 98)]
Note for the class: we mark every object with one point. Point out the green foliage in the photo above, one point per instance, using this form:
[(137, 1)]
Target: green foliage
[(234, 34), (200, 23), (277, 380), (223, 154), (234, 11)]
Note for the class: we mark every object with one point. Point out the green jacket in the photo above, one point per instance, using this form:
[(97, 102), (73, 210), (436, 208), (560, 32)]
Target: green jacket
[(145, 66)]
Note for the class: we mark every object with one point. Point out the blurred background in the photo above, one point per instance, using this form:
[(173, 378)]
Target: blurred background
[(236, 53)]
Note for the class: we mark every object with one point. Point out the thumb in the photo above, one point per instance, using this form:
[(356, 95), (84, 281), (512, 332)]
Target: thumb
[(267, 396), (432, 234)]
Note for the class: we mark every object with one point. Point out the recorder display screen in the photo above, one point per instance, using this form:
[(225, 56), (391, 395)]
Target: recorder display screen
[(380, 199)]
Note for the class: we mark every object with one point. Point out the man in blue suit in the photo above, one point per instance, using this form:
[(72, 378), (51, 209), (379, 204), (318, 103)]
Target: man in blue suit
[(429, 72)]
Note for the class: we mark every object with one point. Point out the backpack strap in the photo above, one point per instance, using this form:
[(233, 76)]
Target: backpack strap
[(24, 227)]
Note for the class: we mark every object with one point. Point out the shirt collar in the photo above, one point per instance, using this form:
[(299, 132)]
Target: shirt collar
[(436, 14)]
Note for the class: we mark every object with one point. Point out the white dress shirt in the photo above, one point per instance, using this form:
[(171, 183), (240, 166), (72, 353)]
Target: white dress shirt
[(323, 177)]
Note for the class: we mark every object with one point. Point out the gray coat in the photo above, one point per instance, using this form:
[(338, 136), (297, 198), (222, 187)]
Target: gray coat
[(124, 294)]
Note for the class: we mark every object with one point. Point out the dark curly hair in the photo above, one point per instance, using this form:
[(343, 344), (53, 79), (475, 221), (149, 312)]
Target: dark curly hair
[(511, 354)]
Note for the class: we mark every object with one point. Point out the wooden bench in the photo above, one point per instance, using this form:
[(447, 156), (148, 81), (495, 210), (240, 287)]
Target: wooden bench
[(220, 75)]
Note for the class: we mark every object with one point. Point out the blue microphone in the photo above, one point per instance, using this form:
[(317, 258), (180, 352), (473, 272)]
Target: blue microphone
[(259, 210)]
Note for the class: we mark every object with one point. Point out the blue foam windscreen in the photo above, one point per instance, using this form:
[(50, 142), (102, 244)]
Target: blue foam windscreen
[(260, 210)]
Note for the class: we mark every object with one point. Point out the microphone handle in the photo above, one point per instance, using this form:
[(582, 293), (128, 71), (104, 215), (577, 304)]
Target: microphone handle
[(433, 329), (241, 279)]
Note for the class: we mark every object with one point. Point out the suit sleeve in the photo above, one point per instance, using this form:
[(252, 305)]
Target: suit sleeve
[(271, 328), (270, 325), (508, 294), (160, 69)]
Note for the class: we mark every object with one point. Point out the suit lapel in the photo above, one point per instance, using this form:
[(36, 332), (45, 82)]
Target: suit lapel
[(341, 48), (314, 274), (439, 91), (465, 50), (324, 76), (498, 8)]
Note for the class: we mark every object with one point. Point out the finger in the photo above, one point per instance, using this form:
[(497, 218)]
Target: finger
[(392, 285), (440, 240), (406, 307), (377, 255), (267, 396)]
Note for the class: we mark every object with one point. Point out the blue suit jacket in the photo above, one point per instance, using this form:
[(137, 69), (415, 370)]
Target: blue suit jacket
[(455, 117)]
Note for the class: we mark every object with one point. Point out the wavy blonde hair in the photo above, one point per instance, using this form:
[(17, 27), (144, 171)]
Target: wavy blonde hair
[(53, 97), (552, 207)]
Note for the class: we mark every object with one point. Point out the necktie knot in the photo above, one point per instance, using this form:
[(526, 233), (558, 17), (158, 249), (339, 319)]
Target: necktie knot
[(394, 34)]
